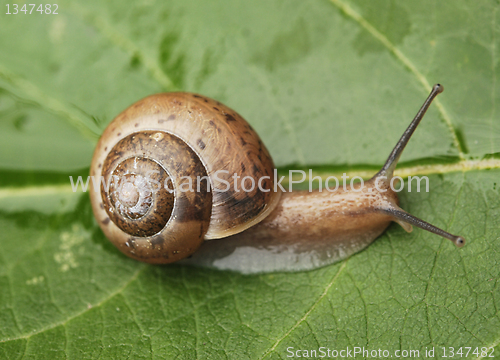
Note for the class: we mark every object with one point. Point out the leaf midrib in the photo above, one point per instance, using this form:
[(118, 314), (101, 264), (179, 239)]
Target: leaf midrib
[(420, 170)]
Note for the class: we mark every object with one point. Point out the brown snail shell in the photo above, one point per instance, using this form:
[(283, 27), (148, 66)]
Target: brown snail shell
[(178, 136)]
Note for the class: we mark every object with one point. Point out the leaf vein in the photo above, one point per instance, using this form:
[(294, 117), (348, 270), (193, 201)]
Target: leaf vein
[(308, 312), (34, 95), (493, 345), (65, 321), (117, 38), (349, 11)]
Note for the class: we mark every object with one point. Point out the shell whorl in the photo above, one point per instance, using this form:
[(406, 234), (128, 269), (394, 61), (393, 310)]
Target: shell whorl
[(166, 137)]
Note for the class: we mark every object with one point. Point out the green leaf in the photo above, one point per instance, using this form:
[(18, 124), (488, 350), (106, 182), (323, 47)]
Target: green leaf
[(329, 85)]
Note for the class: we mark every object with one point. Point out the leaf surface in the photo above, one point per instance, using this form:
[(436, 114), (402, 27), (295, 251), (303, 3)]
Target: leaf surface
[(329, 85)]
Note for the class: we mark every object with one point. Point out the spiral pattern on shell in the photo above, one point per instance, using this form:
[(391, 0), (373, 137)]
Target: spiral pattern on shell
[(170, 142)]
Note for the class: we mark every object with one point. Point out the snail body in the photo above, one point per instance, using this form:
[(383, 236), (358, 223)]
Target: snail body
[(307, 230), (173, 169)]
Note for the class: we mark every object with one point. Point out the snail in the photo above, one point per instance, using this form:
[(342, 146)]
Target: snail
[(176, 172)]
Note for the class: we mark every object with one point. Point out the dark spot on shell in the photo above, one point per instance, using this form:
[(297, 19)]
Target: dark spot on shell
[(243, 142), (99, 166), (205, 100), (118, 134), (216, 108), (201, 144), (106, 148), (161, 121), (243, 168), (136, 125), (230, 117), (255, 169), (101, 205), (171, 117), (197, 96), (106, 221)]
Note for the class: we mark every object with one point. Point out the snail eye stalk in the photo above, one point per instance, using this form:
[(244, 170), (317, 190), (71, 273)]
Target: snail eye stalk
[(386, 173)]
